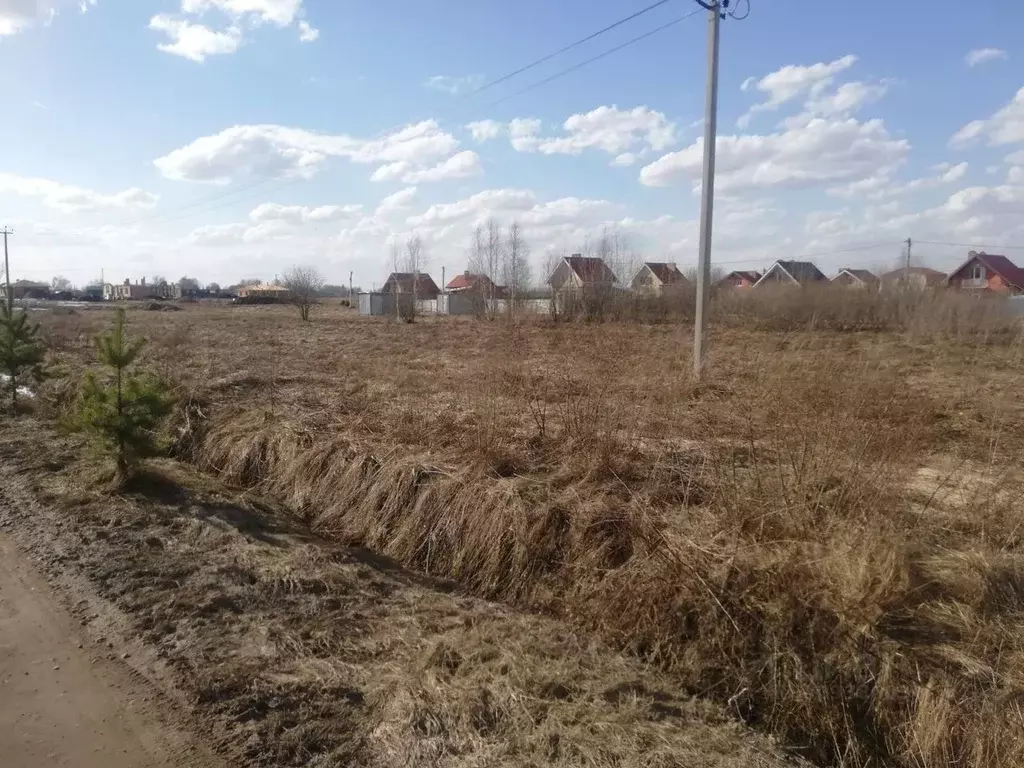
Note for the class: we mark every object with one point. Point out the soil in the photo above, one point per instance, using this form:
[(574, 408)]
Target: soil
[(62, 702), (214, 626)]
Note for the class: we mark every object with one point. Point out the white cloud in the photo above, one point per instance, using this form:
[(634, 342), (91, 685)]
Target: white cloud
[(18, 15), (195, 41), (308, 33), (624, 160), (1006, 126), (279, 12), (274, 150), (983, 55), (461, 166), (71, 199), (821, 151), (391, 171), (522, 131), (399, 200), (881, 186), (792, 82), (847, 98), (608, 129), (454, 85), (300, 214), (484, 130)]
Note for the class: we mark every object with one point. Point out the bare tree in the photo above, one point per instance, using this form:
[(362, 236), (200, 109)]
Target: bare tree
[(415, 263), (61, 284), (516, 272), (494, 250), (303, 284)]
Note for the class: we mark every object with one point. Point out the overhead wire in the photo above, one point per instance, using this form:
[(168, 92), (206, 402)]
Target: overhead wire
[(970, 245), (566, 49), (592, 59), (161, 217)]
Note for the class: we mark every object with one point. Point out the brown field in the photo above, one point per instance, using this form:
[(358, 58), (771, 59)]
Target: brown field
[(824, 535)]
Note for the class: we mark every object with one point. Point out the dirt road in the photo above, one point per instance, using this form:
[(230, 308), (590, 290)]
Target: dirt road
[(63, 703)]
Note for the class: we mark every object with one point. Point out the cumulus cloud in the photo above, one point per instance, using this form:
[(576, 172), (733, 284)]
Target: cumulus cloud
[(399, 200), (460, 166), (195, 41), (274, 150), (18, 15), (454, 85), (606, 128), (300, 214), (792, 82), (983, 55), (190, 38), (881, 186), (71, 199), (1004, 127), (484, 130), (820, 151)]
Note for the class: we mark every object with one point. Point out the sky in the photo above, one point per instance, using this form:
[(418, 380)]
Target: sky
[(230, 139)]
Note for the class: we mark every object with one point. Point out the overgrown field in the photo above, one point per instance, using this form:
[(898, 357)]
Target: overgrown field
[(824, 534)]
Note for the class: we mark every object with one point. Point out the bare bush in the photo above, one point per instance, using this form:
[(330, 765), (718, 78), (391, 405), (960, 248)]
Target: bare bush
[(304, 285)]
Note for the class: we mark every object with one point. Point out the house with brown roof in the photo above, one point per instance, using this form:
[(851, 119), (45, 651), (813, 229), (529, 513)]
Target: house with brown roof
[(740, 279), (785, 272), (582, 284), (918, 278), (480, 285), (420, 284), (987, 273), (856, 278), (657, 278)]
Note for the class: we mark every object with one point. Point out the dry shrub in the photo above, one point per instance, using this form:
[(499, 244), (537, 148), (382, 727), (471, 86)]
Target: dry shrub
[(838, 308), (798, 585)]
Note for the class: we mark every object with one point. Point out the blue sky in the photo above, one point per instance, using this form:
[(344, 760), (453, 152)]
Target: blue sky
[(231, 138)]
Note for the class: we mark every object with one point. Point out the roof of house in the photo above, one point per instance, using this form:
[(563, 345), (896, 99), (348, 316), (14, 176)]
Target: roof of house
[(667, 273), (799, 271), (590, 269), (468, 280), (864, 275), (930, 275), (749, 275), (28, 284), (408, 280), (263, 287), (1001, 265)]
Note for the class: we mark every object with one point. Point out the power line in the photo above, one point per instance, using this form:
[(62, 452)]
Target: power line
[(560, 51), (161, 217), (592, 59)]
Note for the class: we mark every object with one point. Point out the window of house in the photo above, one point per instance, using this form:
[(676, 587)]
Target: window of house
[(978, 273)]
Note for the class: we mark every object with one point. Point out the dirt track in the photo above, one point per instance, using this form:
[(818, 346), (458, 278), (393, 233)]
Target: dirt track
[(62, 703)]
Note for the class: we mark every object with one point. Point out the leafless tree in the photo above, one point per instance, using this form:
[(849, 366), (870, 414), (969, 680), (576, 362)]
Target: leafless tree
[(303, 284), (516, 268), (415, 263), (61, 284)]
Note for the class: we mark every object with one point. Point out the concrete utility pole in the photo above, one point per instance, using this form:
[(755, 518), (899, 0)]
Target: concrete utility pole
[(7, 269), (906, 262), (707, 197), (350, 289)]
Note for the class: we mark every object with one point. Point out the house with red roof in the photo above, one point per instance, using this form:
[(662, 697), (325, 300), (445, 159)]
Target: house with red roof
[(987, 273), (480, 285), (657, 278), (740, 278)]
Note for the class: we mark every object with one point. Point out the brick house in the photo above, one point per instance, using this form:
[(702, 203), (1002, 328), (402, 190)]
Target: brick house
[(740, 279), (918, 278), (479, 285), (987, 273)]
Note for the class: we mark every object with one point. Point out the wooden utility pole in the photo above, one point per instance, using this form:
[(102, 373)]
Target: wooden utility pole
[(350, 289), (906, 262), (7, 268)]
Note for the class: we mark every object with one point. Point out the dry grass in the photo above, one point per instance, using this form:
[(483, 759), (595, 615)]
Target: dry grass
[(825, 535)]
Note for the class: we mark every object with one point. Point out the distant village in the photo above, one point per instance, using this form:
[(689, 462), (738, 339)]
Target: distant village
[(980, 273)]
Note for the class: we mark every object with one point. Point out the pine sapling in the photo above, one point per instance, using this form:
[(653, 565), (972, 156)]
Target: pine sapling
[(124, 413), (21, 351)]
